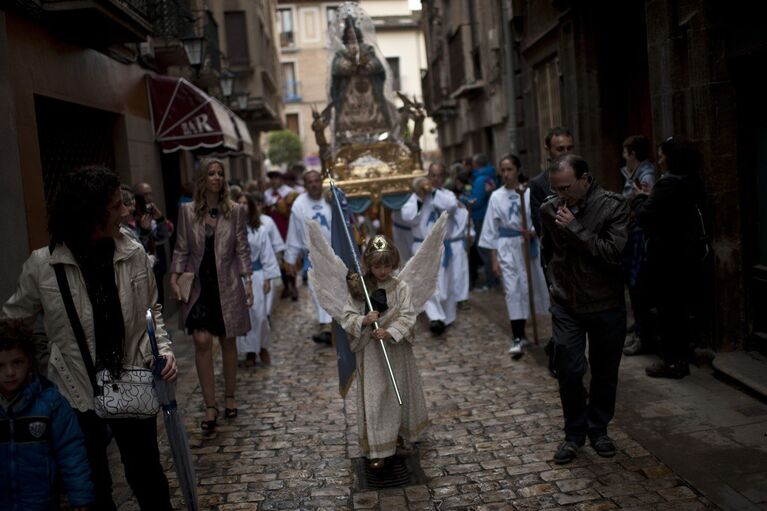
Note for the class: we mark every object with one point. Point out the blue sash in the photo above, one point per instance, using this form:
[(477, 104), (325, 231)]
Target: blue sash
[(448, 248), (506, 232), (256, 265)]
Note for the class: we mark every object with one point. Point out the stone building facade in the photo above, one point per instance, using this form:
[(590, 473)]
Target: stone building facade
[(501, 75), (75, 80)]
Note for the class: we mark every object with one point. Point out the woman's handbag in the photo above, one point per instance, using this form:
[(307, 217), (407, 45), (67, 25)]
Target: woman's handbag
[(132, 395), (185, 281)]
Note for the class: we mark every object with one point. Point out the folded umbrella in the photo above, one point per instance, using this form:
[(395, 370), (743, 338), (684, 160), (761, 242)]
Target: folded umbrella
[(174, 425)]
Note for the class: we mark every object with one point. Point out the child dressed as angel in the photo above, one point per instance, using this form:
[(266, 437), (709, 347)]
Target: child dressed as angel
[(396, 300)]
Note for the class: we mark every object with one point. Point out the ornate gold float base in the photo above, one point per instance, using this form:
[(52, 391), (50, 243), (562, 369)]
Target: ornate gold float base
[(375, 170)]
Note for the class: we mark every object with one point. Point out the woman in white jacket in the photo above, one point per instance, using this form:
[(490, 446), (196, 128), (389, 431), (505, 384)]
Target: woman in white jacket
[(112, 285)]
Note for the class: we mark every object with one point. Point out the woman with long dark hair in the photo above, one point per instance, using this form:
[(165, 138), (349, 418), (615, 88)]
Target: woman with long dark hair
[(212, 244), (111, 283)]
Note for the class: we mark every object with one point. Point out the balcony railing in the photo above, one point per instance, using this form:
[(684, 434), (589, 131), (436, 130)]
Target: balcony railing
[(291, 91), (104, 22), (172, 19), (287, 40)]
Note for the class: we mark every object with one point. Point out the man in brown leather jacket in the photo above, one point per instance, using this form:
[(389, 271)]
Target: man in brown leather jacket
[(584, 231)]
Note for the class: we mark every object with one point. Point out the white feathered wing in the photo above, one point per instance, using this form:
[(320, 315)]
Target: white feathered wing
[(327, 274), (422, 270)]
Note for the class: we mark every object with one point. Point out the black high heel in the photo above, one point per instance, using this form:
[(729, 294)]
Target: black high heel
[(208, 427), (230, 413)]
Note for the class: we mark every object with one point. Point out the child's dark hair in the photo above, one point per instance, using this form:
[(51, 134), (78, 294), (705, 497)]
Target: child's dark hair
[(17, 334)]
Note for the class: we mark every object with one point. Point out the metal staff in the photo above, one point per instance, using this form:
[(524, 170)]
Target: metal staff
[(333, 190), (528, 268)]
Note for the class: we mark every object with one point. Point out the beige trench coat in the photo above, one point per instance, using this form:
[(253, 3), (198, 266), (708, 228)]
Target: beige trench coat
[(59, 354), (232, 262)]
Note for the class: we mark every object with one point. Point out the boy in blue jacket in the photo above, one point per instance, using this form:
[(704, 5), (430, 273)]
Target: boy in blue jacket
[(40, 438)]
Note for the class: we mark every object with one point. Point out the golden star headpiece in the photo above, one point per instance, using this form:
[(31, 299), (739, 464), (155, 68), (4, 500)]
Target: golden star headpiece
[(379, 244)]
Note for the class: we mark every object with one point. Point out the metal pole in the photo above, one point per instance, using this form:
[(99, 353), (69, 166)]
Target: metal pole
[(364, 287)]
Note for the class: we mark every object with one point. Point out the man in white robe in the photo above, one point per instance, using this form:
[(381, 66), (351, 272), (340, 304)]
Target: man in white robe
[(309, 206), (420, 212)]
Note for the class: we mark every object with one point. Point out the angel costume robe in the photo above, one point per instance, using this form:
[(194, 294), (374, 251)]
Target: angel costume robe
[(278, 245), (307, 208), (380, 419), (422, 216), (501, 232), (265, 267)]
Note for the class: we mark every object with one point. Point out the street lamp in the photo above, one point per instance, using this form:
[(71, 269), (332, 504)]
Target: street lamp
[(242, 100), (227, 83), (194, 46)]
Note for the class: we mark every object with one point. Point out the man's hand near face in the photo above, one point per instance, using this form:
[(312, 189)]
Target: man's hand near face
[(563, 217)]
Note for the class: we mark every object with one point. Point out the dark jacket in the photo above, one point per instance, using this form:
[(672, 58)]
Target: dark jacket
[(540, 189), (40, 439), (671, 222), (584, 260)]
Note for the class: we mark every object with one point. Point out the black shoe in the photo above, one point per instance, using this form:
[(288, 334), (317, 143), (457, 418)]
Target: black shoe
[(676, 371), (566, 452), (323, 338), (603, 446), (437, 327)]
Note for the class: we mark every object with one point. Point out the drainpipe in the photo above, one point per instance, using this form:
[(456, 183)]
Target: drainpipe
[(511, 99)]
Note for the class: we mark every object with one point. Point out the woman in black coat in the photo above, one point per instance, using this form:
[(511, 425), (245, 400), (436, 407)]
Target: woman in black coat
[(671, 217)]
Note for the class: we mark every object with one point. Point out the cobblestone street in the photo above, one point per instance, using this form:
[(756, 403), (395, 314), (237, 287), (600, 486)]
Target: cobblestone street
[(495, 425)]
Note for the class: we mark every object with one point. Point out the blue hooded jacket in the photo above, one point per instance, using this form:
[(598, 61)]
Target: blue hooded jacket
[(478, 193), (39, 439)]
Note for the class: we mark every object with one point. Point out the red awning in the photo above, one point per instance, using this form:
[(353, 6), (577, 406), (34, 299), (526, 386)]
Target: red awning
[(184, 117)]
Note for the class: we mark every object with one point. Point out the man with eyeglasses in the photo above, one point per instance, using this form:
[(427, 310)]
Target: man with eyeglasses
[(584, 231)]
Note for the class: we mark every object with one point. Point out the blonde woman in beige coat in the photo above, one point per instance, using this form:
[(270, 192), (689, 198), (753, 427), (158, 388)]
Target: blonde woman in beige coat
[(212, 243)]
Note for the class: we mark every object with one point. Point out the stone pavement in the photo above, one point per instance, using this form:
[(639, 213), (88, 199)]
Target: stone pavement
[(495, 425)]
